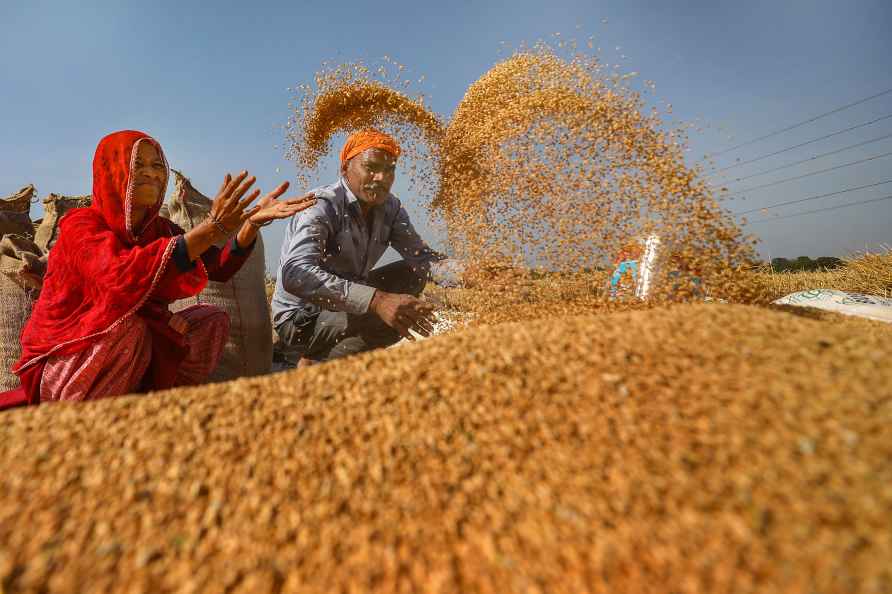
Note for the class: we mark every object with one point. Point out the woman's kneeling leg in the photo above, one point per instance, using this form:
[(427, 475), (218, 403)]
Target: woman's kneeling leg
[(207, 333), (112, 366)]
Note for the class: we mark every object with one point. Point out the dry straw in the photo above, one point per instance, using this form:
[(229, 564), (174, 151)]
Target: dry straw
[(869, 273)]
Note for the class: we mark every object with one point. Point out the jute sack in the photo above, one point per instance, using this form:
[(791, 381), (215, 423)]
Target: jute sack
[(55, 207), (15, 217), (19, 202), (249, 350), (15, 223), (22, 266)]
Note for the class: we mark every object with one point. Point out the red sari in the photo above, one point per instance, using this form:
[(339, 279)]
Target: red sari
[(102, 271)]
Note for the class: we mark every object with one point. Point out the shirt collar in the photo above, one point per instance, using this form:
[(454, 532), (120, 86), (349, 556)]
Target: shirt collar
[(351, 198), (353, 201)]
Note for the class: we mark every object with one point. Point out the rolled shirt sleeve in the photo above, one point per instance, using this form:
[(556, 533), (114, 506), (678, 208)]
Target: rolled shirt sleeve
[(303, 274)]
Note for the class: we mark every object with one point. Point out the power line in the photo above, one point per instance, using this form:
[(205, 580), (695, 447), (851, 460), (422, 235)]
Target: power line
[(808, 212), (801, 161), (800, 145), (846, 191), (808, 121), (782, 181)]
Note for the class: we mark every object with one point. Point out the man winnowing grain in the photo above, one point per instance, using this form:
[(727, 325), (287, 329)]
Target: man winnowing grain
[(328, 301)]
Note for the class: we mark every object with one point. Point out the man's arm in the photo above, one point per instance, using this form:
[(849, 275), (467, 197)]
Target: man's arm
[(302, 273), (405, 312)]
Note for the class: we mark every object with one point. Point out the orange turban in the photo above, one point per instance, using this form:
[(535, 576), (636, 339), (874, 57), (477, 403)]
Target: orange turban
[(366, 139)]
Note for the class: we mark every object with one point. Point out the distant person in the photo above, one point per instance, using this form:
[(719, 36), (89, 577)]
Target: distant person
[(328, 301), (101, 326)]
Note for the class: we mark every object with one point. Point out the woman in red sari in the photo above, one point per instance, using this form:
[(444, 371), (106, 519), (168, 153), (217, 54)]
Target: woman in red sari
[(101, 326)]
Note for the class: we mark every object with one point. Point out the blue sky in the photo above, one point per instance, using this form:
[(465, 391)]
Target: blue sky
[(210, 80)]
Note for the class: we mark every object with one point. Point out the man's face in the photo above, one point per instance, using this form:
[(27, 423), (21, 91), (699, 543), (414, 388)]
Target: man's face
[(370, 175), (149, 176)]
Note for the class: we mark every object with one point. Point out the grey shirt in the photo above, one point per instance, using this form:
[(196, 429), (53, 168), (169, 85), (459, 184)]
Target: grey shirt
[(329, 250)]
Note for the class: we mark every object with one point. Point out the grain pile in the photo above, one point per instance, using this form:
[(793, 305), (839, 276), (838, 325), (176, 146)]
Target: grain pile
[(697, 448)]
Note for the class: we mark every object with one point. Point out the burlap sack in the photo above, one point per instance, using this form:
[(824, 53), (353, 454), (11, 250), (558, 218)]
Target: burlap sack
[(249, 350), (55, 207), (22, 266), (15, 218), (19, 202), (15, 223)]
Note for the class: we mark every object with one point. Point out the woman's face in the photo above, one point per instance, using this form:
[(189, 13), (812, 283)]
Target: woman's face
[(149, 176)]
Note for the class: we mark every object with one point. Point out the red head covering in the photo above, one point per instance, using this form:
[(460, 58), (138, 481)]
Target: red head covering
[(366, 139), (113, 187), (100, 271)]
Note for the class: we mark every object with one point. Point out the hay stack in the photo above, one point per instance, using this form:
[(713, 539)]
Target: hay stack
[(868, 273)]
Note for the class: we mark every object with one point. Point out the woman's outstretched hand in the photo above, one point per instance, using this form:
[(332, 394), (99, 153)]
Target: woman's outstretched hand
[(270, 208), (228, 208), (230, 213)]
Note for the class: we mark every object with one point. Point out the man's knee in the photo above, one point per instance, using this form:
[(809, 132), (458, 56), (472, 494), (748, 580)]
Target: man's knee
[(346, 335), (351, 345), (295, 334), (371, 335), (398, 277), (314, 335), (331, 326)]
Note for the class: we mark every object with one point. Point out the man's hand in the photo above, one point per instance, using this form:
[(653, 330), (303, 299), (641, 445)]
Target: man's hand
[(403, 312)]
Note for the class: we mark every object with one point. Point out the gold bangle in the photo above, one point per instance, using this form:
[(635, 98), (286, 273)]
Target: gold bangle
[(256, 225), (213, 221)]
